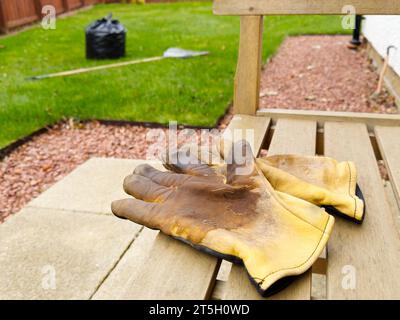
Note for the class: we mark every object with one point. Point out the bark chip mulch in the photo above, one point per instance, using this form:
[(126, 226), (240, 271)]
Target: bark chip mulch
[(321, 73)]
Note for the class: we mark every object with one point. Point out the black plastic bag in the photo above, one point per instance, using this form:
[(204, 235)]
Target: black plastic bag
[(105, 39)]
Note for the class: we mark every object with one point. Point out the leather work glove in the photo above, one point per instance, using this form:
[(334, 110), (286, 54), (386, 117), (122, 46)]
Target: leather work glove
[(322, 181), (233, 214)]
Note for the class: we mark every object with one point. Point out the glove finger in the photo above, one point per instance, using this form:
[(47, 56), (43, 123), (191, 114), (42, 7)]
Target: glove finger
[(193, 161), (135, 210), (241, 164), (184, 161), (145, 189), (166, 179)]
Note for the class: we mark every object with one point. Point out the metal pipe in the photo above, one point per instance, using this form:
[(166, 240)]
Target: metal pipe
[(357, 31)]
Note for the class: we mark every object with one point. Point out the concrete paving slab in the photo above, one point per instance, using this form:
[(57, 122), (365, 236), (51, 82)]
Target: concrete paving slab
[(56, 254), (91, 187)]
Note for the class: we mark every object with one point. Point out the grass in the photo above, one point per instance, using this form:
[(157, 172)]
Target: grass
[(194, 91)]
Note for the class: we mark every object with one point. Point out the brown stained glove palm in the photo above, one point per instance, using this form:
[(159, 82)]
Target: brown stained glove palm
[(229, 215), (322, 181)]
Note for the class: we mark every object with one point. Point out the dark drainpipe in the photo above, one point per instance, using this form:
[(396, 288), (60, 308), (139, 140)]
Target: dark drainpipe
[(357, 31)]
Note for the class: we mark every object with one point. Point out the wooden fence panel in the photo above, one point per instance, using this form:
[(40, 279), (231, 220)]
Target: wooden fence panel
[(73, 4), (3, 27), (58, 4), (18, 12), (90, 2)]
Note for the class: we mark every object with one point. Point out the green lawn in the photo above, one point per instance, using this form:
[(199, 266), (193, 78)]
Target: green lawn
[(195, 91)]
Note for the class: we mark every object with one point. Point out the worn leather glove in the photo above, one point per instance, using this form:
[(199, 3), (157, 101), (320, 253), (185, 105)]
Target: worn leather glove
[(322, 181), (234, 214)]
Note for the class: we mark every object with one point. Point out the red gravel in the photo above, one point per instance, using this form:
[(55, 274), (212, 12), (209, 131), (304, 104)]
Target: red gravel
[(47, 158), (308, 72), (321, 73)]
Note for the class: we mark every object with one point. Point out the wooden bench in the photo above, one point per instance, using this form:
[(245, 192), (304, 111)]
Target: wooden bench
[(361, 261), (158, 267), (108, 258), (371, 251)]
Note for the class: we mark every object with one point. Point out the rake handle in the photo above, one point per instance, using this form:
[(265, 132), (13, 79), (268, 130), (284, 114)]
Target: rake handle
[(90, 69)]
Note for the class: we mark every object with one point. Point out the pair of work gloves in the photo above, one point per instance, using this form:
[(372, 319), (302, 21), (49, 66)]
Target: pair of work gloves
[(268, 213)]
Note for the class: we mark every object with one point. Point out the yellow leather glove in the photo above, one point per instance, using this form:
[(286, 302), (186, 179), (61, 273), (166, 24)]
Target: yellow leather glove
[(322, 181), (234, 214)]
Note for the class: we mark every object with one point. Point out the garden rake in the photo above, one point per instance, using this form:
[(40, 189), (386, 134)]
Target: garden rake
[(175, 53)]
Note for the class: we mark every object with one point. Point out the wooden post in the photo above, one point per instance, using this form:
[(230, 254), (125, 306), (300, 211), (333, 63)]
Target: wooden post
[(247, 79), (38, 7), (65, 5), (3, 21)]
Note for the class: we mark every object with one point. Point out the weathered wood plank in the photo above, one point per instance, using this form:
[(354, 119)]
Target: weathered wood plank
[(270, 7), (119, 283), (388, 139), (75, 250), (320, 265), (290, 137), (370, 119), (219, 290), (247, 80), (173, 270), (251, 128), (393, 204), (238, 287), (294, 137), (364, 260)]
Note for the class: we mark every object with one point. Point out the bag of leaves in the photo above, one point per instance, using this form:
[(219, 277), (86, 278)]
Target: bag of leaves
[(105, 39)]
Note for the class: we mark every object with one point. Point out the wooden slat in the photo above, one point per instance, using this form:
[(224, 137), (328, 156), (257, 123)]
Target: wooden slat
[(370, 119), (119, 283), (290, 137), (239, 129), (318, 289), (371, 250), (38, 7), (388, 139), (219, 290), (320, 265), (294, 137), (270, 7), (393, 203), (238, 287), (3, 24), (247, 80), (174, 270), (58, 4)]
